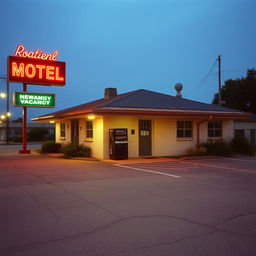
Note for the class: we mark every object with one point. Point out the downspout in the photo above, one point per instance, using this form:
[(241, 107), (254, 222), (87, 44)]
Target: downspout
[(198, 129)]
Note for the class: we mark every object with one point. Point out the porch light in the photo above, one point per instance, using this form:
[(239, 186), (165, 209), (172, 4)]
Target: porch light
[(91, 117), (52, 122)]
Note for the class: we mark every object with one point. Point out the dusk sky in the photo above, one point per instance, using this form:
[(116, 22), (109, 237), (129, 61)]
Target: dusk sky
[(131, 44)]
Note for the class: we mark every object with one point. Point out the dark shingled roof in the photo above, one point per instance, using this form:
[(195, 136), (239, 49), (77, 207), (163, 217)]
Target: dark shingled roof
[(142, 99), (148, 99)]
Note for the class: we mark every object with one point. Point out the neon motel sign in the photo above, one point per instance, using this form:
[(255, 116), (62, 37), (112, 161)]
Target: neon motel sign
[(36, 67)]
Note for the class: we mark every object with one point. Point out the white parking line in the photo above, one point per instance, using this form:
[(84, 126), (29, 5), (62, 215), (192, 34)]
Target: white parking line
[(144, 170), (236, 159)]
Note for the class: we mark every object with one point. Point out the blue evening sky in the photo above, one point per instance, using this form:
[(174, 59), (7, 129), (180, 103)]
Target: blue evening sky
[(131, 44)]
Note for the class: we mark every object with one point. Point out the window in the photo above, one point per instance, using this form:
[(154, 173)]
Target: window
[(62, 130), (184, 129), (89, 129), (215, 129)]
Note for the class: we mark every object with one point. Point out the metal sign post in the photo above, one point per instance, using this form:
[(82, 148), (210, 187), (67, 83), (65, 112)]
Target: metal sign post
[(24, 149)]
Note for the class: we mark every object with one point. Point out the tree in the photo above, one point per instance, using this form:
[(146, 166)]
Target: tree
[(240, 93), (37, 134)]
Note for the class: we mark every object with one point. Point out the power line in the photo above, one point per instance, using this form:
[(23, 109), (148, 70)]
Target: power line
[(206, 76)]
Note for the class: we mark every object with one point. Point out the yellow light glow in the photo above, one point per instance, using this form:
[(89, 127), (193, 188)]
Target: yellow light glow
[(2, 94), (52, 122), (2, 117), (8, 114), (91, 117)]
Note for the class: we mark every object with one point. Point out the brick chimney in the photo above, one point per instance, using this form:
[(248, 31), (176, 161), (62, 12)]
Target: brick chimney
[(110, 93)]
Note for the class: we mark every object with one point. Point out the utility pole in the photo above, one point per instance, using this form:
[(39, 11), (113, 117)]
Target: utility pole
[(219, 95)]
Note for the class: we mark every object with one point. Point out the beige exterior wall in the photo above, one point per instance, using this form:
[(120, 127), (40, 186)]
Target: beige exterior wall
[(67, 138), (96, 144), (227, 130), (164, 140), (114, 122)]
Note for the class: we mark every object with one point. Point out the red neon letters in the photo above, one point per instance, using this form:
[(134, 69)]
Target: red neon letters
[(37, 54), (34, 71)]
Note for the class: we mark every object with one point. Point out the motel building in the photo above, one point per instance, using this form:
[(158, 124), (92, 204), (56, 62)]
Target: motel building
[(142, 123)]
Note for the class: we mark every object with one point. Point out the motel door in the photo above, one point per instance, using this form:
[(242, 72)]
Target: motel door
[(145, 138), (75, 131)]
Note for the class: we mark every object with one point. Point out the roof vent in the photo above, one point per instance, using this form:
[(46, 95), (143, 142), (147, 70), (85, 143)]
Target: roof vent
[(178, 88), (110, 93)]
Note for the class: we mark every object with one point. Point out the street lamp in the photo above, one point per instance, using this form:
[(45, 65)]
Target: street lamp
[(3, 95)]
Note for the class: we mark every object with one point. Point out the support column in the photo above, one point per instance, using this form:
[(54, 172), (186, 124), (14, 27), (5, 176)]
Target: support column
[(24, 149)]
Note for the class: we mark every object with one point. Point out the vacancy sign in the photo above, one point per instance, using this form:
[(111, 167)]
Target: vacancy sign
[(36, 67), (37, 100)]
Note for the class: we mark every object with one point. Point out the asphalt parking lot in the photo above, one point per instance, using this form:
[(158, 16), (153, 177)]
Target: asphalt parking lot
[(155, 207)]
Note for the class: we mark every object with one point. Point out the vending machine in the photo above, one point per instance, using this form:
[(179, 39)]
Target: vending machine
[(118, 144)]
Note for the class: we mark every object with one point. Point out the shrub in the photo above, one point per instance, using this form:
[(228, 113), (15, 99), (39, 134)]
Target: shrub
[(51, 147), (218, 148), (71, 150), (242, 146)]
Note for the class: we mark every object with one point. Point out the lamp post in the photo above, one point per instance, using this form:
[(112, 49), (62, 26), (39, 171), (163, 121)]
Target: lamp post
[(7, 107)]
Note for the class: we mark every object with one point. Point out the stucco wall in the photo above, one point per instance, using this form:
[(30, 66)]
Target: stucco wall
[(67, 138), (165, 142), (114, 122), (227, 131), (96, 144)]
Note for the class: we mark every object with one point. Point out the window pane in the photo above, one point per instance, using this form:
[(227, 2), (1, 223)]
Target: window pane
[(179, 133), (210, 133), (218, 124), (188, 124), (210, 125), (188, 133), (180, 124), (217, 133)]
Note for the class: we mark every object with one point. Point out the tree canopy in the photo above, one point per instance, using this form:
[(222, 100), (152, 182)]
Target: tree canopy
[(240, 93)]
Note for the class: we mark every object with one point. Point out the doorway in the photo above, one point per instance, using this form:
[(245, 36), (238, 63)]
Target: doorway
[(75, 131), (145, 141)]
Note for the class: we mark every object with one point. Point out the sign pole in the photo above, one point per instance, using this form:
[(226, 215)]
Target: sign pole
[(24, 149)]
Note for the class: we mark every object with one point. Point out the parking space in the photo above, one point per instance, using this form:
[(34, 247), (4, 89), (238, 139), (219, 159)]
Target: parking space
[(55, 206)]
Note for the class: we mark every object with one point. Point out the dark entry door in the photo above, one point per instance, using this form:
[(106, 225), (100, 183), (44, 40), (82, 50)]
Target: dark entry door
[(75, 131), (145, 148)]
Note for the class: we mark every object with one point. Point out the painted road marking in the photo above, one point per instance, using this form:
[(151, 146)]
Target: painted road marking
[(145, 170), (225, 167), (245, 160)]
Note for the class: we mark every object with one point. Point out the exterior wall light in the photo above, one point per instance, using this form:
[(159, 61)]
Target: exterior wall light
[(52, 122), (2, 95), (91, 117)]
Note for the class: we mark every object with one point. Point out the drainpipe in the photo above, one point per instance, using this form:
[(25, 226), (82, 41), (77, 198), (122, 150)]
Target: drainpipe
[(198, 129)]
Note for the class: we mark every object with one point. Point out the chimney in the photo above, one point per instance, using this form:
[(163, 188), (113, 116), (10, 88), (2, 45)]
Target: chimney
[(110, 93)]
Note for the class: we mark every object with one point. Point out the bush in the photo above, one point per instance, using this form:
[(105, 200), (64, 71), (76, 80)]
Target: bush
[(242, 146), (51, 147), (218, 148), (71, 150)]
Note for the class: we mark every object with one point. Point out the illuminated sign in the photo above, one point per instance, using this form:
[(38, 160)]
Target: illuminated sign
[(37, 100), (36, 71), (37, 54)]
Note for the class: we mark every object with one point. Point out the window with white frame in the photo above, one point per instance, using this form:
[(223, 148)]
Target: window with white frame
[(62, 130), (215, 129), (184, 129), (89, 129)]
